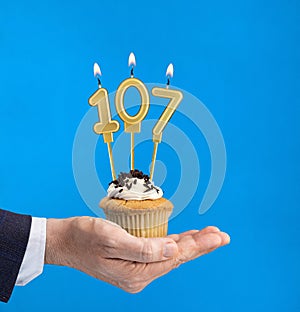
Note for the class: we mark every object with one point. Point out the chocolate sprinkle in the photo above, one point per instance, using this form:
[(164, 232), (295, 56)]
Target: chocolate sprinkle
[(116, 182), (123, 178), (148, 188)]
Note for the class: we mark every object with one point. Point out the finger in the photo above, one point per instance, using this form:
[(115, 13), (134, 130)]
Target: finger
[(198, 244), (208, 229), (176, 237), (225, 239), (190, 247), (111, 223), (143, 249)]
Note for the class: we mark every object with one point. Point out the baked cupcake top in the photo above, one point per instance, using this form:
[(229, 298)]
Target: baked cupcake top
[(134, 185)]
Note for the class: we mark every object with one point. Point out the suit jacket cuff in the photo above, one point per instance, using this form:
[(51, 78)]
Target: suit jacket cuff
[(14, 234)]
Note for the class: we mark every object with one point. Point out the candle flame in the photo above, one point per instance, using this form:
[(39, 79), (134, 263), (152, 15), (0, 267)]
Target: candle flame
[(170, 70), (131, 59), (97, 70)]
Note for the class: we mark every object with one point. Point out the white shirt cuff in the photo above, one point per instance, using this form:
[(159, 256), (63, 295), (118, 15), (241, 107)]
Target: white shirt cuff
[(33, 261)]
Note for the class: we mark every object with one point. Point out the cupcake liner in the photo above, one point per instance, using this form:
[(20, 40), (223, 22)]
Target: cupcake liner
[(141, 222)]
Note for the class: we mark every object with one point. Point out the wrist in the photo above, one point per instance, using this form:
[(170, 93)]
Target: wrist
[(56, 241)]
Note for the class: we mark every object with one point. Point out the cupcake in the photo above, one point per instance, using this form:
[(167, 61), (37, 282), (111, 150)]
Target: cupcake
[(137, 205)]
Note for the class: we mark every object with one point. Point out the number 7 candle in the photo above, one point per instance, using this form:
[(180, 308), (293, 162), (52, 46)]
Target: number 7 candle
[(175, 97), (105, 126)]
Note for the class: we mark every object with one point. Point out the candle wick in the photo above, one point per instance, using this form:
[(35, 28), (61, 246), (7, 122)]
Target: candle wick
[(131, 72), (99, 83), (168, 83)]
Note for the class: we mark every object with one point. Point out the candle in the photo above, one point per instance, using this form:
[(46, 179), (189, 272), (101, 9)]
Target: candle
[(175, 97), (132, 124), (105, 126)]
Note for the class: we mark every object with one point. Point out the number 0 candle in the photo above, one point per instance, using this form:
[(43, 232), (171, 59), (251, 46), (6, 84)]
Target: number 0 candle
[(132, 124), (175, 97), (105, 126)]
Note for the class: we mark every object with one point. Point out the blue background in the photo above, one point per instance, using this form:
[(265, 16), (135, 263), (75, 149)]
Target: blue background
[(241, 58)]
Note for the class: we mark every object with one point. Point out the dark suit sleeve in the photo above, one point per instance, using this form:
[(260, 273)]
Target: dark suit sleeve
[(14, 235)]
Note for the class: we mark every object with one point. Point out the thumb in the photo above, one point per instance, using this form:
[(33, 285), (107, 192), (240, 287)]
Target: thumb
[(145, 249)]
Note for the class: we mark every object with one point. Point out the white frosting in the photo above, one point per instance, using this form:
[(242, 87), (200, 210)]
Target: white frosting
[(134, 189)]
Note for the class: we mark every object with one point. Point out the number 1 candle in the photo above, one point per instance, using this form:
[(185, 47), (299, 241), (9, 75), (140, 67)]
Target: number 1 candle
[(105, 126), (175, 97)]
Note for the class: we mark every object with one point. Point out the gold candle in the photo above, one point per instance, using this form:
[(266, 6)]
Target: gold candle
[(105, 126), (132, 124), (175, 97)]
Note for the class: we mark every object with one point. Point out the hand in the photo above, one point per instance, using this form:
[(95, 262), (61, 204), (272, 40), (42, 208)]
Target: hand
[(104, 250)]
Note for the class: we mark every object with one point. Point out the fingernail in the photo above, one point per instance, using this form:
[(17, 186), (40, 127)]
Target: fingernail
[(213, 228), (170, 250), (226, 238)]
